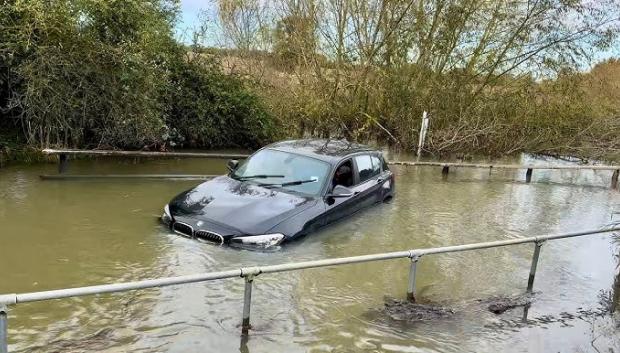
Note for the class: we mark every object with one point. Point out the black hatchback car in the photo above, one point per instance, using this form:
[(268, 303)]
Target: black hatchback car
[(281, 192)]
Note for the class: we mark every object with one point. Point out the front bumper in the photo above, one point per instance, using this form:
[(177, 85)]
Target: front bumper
[(199, 229), (211, 232)]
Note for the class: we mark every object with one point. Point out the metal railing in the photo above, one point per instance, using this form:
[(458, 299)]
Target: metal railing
[(63, 163), (250, 273)]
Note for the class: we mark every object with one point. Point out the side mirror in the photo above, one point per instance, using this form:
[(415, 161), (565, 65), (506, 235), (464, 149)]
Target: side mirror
[(232, 165), (340, 191)]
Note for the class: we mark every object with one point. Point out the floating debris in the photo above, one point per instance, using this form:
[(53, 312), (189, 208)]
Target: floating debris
[(403, 310), (498, 305)]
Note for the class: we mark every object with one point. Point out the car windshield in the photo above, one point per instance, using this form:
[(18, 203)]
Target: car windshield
[(277, 168)]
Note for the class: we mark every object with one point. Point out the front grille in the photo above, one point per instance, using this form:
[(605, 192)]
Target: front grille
[(183, 229), (209, 236)]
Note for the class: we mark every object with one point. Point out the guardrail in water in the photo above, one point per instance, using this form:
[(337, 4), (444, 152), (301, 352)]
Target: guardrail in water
[(250, 273), (63, 164)]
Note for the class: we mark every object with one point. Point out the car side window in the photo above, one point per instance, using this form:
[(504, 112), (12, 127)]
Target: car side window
[(344, 174), (385, 165), (376, 165), (365, 167)]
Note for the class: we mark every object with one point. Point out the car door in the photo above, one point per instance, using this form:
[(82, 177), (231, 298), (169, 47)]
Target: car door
[(340, 207), (368, 189), (385, 179)]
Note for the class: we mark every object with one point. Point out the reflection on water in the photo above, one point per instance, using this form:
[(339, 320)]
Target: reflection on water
[(65, 234)]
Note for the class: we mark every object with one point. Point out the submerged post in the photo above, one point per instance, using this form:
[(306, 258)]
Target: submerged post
[(412, 278), (530, 281), (247, 301), (614, 179), (63, 163), (528, 175), (4, 336)]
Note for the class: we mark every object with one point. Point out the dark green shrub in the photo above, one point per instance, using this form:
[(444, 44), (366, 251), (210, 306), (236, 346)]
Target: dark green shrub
[(212, 109), (92, 73)]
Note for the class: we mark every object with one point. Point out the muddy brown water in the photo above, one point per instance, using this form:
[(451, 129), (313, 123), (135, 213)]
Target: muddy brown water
[(60, 234)]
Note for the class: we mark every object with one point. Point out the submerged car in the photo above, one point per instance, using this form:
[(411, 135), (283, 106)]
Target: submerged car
[(281, 192)]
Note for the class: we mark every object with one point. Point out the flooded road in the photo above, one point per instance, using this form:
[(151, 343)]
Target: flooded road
[(60, 234)]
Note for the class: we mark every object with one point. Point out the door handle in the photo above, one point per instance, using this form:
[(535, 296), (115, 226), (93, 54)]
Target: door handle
[(380, 180)]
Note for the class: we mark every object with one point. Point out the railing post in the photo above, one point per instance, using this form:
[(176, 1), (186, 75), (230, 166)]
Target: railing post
[(247, 301), (528, 175), (445, 170), (4, 336), (423, 131), (412, 278), (614, 179), (63, 163), (530, 281)]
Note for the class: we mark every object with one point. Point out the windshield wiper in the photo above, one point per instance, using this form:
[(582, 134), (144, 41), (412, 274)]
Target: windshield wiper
[(296, 182), (258, 176)]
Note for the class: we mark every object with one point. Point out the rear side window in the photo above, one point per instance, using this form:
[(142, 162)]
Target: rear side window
[(385, 165), (365, 167), (376, 164)]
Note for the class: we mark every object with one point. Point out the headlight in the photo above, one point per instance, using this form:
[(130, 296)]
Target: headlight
[(166, 217), (265, 240)]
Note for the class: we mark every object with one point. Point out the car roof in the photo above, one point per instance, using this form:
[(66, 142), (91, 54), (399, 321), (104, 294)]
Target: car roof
[(328, 150)]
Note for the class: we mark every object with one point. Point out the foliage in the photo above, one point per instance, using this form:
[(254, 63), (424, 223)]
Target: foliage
[(294, 40), (496, 76), (90, 71), (212, 109), (95, 73)]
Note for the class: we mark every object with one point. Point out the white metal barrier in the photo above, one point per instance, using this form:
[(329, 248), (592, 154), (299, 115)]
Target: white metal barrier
[(63, 163)]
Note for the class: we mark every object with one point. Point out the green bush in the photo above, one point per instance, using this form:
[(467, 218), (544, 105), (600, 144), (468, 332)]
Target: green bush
[(213, 109), (91, 73)]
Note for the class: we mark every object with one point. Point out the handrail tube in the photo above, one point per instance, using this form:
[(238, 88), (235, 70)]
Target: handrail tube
[(420, 252), (126, 176), (494, 244), (117, 153), (332, 262), (505, 166), (256, 270), (49, 151), (121, 287)]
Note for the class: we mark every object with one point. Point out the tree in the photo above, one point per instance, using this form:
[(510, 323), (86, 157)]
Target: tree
[(90, 72), (243, 23)]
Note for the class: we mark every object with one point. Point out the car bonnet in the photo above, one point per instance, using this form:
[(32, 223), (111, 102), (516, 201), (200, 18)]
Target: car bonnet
[(238, 207)]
